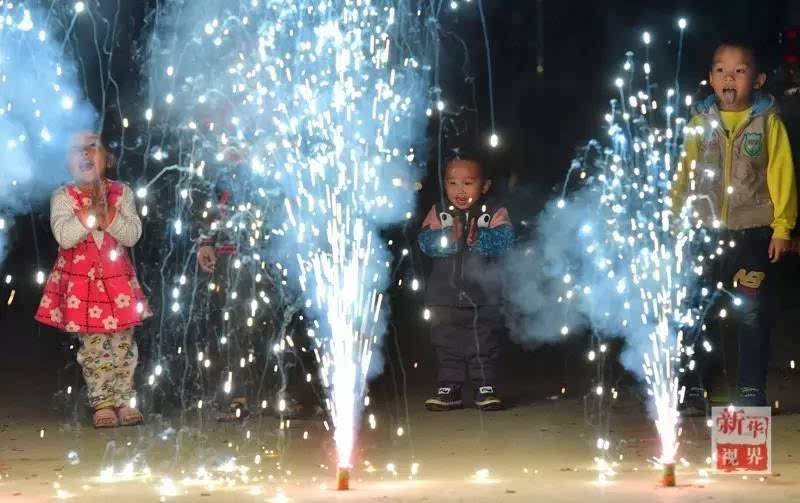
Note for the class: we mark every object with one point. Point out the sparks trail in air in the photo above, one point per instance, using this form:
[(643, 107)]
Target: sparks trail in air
[(322, 106), (628, 263)]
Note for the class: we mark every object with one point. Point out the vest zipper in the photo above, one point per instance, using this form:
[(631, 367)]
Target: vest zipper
[(726, 179), (464, 240), (728, 165)]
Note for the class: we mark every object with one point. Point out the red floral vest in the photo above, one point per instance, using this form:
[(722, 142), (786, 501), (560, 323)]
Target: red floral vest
[(91, 289)]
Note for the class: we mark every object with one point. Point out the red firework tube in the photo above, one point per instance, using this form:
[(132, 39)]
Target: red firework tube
[(342, 479), (668, 475)]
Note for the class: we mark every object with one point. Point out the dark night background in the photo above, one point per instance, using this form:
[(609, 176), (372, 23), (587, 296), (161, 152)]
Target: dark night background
[(541, 118)]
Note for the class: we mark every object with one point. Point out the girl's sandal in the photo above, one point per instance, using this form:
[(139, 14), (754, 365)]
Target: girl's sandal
[(129, 416), (105, 418)]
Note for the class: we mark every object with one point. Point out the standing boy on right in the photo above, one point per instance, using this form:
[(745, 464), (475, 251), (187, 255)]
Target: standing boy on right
[(739, 177)]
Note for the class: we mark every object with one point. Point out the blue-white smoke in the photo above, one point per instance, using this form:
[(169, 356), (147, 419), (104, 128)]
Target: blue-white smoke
[(41, 106), (575, 274), (566, 280)]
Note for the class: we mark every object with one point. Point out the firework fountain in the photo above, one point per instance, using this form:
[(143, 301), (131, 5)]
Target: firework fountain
[(322, 101), (620, 250)]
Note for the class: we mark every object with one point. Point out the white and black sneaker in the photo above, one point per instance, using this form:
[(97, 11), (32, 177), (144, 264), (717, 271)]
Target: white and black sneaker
[(446, 398), (486, 399)]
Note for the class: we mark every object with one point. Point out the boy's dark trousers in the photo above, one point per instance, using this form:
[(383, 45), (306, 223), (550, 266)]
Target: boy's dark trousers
[(239, 339), (746, 266), (468, 343)]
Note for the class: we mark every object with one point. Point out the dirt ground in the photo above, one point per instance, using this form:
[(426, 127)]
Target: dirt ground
[(540, 450)]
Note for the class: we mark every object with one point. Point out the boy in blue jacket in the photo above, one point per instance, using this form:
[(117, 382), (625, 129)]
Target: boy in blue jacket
[(463, 235)]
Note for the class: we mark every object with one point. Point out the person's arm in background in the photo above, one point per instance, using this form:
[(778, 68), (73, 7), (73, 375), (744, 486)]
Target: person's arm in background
[(205, 213)]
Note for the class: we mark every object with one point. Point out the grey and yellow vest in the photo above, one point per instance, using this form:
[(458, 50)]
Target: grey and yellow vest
[(730, 175)]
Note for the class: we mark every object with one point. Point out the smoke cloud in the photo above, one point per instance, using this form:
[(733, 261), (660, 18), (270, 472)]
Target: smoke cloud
[(42, 106)]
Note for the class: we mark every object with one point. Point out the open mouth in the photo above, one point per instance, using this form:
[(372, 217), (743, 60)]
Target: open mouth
[(86, 166), (729, 95)]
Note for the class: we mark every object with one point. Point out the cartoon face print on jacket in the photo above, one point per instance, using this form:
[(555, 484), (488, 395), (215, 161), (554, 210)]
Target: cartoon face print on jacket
[(485, 223)]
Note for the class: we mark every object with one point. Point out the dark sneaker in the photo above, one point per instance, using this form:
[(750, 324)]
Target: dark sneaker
[(237, 411), (694, 403), (446, 398), (486, 399)]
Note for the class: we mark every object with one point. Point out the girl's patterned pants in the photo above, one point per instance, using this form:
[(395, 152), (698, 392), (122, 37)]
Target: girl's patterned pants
[(108, 362)]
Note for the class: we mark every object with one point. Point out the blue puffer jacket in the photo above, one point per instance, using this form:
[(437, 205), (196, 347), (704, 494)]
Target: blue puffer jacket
[(463, 245)]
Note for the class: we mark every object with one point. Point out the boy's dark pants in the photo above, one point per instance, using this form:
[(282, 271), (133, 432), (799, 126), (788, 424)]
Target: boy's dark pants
[(468, 343), (747, 266)]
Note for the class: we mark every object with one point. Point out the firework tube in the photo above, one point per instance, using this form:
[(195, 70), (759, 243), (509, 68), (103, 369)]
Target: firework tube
[(343, 478), (668, 475)]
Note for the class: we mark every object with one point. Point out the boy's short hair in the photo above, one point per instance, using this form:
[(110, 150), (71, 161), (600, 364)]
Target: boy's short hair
[(468, 154), (745, 44)]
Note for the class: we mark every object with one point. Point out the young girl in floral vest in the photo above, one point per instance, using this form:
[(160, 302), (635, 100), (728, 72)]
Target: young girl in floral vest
[(92, 290)]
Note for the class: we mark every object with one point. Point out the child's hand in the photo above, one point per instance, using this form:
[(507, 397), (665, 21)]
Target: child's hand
[(206, 258), (87, 218), (108, 217), (777, 248), (98, 209)]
